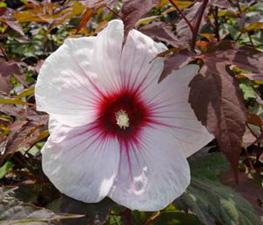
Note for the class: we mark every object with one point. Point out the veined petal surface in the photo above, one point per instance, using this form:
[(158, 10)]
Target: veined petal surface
[(80, 162), (168, 100), (74, 78), (152, 173), (170, 106), (140, 66)]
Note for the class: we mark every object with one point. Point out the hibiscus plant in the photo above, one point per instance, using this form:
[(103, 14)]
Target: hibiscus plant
[(131, 112)]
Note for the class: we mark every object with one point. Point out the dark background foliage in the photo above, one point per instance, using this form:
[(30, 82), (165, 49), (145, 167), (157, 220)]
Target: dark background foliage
[(225, 37)]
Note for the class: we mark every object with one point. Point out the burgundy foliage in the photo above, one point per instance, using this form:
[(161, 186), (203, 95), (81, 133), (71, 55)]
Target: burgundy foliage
[(218, 104), (132, 11), (6, 70)]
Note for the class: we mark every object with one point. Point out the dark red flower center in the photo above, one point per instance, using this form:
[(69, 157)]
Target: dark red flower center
[(123, 114)]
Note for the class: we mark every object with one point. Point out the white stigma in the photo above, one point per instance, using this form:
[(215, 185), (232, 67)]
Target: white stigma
[(122, 119)]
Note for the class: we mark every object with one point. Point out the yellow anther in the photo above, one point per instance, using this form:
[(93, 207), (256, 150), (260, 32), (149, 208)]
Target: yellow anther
[(122, 119)]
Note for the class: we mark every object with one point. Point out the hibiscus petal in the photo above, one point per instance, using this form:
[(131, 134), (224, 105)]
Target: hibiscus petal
[(108, 54), (139, 65), (152, 172), (74, 78), (80, 162), (170, 106), (169, 100)]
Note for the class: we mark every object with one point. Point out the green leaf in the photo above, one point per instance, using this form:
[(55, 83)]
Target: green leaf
[(209, 166), (212, 202), (248, 91), (177, 218), (26, 92), (216, 204), (14, 212), (5, 169), (2, 4), (12, 101), (95, 213)]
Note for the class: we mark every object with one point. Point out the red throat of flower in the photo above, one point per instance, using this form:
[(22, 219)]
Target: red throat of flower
[(123, 115)]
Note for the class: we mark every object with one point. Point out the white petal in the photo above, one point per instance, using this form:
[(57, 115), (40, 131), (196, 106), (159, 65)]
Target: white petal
[(152, 173), (170, 105), (63, 88), (74, 77), (108, 54), (139, 64), (80, 162), (52, 124)]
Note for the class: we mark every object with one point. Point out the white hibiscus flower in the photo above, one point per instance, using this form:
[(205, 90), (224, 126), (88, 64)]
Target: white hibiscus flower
[(114, 131)]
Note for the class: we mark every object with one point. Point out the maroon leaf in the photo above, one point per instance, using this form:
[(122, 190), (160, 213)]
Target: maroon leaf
[(175, 62), (132, 11), (2, 11), (216, 98), (24, 114), (24, 139), (38, 65), (217, 103), (10, 21), (244, 57), (100, 3), (161, 32), (249, 58), (192, 14), (9, 68), (15, 26), (4, 84), (220, 3), (248, 139), (6, 70), (11, 110), (188, 27), (28, 128), (14, 211), (14, 128), (23, 134)]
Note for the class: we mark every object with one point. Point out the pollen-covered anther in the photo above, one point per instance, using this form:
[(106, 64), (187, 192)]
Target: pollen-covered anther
[(122, 119)]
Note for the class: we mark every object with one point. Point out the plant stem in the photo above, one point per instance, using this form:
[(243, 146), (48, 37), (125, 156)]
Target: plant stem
[(3, 53), (127, 217), (198, 23), (182, 15), (251, 41), (152, 218), (113, 12), (215, 13)]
